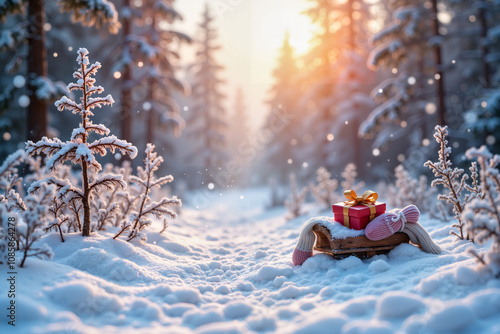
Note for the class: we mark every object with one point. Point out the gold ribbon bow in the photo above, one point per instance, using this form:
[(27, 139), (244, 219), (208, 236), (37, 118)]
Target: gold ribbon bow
[(367, 199)]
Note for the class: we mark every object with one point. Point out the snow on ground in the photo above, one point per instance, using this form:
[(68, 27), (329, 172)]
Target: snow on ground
[(228, 270)]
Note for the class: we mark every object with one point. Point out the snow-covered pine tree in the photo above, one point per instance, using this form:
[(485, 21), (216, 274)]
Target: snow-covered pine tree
[(285, 92), (482, 117), (147, 58), (410, 47), (207, 116), (78, 149), (140, 218), (332, 66), (92, 13), (23, 34)]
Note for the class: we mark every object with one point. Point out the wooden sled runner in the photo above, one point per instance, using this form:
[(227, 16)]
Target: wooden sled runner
[(359, 246)]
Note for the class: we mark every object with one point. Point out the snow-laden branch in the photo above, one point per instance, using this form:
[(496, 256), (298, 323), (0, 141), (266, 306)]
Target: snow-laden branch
[(108, 182), (112, 143)]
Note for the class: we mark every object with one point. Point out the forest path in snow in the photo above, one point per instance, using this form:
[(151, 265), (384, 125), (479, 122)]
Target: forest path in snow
[(227, 269)]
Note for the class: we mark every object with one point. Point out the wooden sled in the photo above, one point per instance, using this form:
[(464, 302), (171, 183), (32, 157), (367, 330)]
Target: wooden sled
[(360, 246)]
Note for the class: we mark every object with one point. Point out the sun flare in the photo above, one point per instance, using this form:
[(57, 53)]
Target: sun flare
[(273, 25)]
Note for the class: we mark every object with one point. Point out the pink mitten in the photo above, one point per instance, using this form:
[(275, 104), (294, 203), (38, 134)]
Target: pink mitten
[(391, 222), (300, 256)]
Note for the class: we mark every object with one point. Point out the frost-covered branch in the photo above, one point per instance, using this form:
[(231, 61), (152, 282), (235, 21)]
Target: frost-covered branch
[(92, 13), (349, 174), (138, 219), (296, 200), (33, 220), (324, 190), (482, 214), (452, 179)]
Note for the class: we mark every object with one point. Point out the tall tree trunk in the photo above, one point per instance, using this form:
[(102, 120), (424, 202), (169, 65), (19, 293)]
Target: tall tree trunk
[(439, 70), (484, 46), (126, 112), (325, 92), (85, 200), (357, 156), (152, 116), (36, 118)]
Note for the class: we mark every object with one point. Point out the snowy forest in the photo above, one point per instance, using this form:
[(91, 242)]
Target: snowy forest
[(250, 166)]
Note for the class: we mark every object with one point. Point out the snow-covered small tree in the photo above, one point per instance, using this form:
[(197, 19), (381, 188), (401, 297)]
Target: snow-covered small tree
[(78, 149), (324, 190), (410, 190), (9, 179), (454, 179), (32, 221), (482, 215), (349, 175), (140, 218), (296, 200)]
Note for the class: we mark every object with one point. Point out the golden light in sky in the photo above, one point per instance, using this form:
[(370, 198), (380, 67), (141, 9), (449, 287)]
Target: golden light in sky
[(273, 24)]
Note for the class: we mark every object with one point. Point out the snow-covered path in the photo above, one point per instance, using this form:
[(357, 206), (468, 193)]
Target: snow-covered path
[(228, 270)]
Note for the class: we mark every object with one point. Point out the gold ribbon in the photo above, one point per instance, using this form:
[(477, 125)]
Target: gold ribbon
[(367, 199)]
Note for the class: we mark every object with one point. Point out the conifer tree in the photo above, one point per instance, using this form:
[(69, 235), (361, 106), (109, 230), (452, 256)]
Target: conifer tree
[(284, 99), (337, 99), (147, 59), (409, 46), (239, 130), (25, 22), (207, 121), (79, 150)]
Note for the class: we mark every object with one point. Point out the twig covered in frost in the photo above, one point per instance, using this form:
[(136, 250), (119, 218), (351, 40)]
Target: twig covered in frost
[(33, 220), (409, 190), (324, 190), (349, 174), (294, 203), (450, 178), (482, 214), (58, 218), (78, 149), (9, 179), (139, 219)]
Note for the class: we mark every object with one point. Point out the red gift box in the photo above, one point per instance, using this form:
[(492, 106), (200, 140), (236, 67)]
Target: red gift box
[(359, 211)]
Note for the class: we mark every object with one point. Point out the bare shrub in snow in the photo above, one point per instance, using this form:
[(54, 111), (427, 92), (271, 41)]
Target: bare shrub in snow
[(296, 200), (349, 174), (139, 218), (409, 190), (482, 214), (324, 190), (9, 180), (78, 149), (452, 179), (32, 221)]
